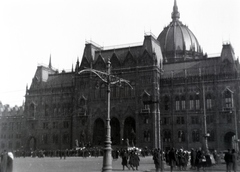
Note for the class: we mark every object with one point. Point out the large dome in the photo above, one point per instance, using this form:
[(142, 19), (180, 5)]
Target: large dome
[(177, 41)]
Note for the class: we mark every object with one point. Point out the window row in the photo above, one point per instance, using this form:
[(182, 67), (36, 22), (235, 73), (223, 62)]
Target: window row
[(11, 136), (11, 126), (53, 110), (122, 91), (193, 103), (181, 120), (181, 136), (55, 138), (55, 125)]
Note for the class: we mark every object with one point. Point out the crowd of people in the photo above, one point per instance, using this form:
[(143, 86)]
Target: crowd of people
[(231, 160), (177, 159), (63, 153)]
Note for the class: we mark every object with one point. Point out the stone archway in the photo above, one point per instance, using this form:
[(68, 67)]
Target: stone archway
[(129, 134), (98, 132), (228, 140), (115, 131)]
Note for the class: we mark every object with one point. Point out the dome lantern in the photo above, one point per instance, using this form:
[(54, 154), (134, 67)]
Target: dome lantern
[(175, 13)]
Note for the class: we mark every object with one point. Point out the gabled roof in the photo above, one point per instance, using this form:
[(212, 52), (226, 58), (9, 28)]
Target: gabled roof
[(58, 80)]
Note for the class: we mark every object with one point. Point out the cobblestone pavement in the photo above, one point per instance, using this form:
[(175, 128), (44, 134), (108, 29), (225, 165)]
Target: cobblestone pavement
[(90, 164)]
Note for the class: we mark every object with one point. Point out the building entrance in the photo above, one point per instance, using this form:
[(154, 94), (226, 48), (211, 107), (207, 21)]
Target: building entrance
[(98, 132), (130, 131), (115, 131)]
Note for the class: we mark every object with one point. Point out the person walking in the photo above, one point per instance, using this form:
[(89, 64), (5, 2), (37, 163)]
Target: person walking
[(134, 160), (234, 160), (172, 159), (193, 159), (125, 159), (228, 159), (199, 156), (157, 157)]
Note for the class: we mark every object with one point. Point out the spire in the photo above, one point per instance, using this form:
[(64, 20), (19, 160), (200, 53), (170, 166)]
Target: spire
[(50, 62), (77, 65), (175, 13)]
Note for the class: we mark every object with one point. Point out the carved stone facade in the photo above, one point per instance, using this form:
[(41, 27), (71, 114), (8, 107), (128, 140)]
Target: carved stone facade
[(173, 92), (70, 107)]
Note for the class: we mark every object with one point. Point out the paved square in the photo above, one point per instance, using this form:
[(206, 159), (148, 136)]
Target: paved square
[(90, 164)]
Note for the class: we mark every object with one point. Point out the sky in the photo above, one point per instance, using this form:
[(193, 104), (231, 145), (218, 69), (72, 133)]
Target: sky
[(33, 30)]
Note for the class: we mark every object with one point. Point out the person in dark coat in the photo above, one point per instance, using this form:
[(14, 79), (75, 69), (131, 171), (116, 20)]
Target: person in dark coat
[(234, 160), (157, 159), (125, 159), (181, 159), (199, 156), (193, 159), (172, 159), (229, 161), (186, 158), (134, 160)]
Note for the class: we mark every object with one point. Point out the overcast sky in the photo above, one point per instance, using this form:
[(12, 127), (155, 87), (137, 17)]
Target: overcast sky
[(31, 30)]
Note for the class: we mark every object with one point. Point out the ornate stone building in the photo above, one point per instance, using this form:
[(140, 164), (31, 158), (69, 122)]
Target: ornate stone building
[(177, 89), (11, 125), (199, 95)]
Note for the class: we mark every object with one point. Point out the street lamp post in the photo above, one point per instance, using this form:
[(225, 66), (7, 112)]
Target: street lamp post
[(109, 80), (206, 135)]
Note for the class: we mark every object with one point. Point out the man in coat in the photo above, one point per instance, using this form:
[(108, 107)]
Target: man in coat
[(228, 160)]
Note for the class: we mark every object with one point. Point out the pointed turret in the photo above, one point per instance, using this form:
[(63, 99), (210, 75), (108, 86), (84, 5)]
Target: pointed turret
[(50, 62), (77, 65), (175, 13)]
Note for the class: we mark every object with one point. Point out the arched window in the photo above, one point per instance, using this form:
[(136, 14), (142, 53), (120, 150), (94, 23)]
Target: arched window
[(166, 103), (167, 136), (181, 136), (209, 102), (146, 136), (183, 103), (177, 103), (191, 103), (197, 102), (227, 99)]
